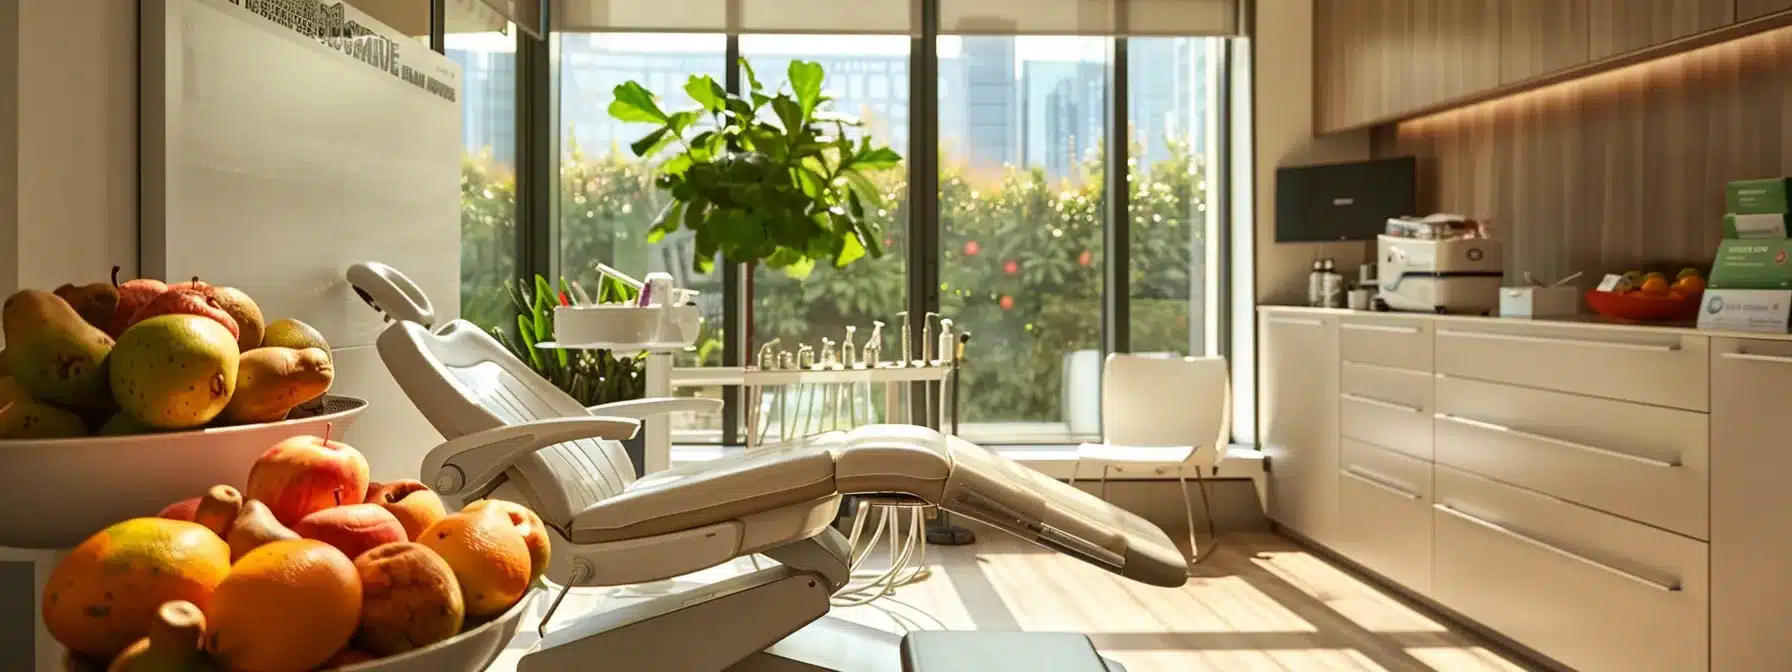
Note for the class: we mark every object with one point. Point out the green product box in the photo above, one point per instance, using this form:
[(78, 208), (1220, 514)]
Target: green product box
[(1752, 264), (1757, 197), (1755, 227)]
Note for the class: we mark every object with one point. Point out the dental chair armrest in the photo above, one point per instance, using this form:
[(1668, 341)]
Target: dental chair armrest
[(471, 462), (642, 409)]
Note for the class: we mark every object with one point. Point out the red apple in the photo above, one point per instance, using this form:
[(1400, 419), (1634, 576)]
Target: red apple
[(186, 302), (181, 510), (410, 501), (306, 474), (133, 295), (352, 529)]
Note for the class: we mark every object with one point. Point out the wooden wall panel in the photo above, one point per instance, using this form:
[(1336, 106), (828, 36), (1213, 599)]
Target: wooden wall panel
[(1541, 36), (1615, 171), (1749, 9), (1618, 26)]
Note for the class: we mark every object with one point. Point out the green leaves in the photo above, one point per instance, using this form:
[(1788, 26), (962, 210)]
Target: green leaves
[(788, 193)]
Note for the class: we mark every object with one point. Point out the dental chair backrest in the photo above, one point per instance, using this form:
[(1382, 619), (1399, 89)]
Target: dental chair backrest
[(464, 381)]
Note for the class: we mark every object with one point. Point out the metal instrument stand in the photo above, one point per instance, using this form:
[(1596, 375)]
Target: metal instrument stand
[(940, 530)]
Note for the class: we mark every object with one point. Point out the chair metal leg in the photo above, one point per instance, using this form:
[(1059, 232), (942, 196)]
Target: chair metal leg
[(1196, 556), (1104, 481), (1074, 468)]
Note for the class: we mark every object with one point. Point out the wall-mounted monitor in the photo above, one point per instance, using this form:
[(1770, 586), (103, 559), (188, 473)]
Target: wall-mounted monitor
[(1343, 201)]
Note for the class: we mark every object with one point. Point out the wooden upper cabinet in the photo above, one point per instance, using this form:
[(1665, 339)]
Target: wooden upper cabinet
[(1454, 50), (1538, 37), (1619, 26), (1750, 9), (1362, 64)]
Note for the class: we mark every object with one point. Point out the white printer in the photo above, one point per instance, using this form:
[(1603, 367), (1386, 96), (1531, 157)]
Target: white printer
[(1441, 264)]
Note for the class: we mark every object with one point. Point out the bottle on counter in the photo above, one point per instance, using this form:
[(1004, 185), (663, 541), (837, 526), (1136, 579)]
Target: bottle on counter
[(1331, 285), (1316, 283)]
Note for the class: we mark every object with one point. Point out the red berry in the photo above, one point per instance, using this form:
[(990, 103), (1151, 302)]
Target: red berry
[(1011, 267), (1007, 303), (971, 248), (1085, 259)]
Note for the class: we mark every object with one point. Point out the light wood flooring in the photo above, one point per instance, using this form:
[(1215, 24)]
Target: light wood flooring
[(1260, 603)]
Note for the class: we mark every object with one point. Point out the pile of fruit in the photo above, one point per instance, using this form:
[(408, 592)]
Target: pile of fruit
[(1686, 283), (309, 566), (143, 356)]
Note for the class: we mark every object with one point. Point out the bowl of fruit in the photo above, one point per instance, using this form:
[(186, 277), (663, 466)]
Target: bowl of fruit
[(1650, 297), (140, 391), (304, 565)]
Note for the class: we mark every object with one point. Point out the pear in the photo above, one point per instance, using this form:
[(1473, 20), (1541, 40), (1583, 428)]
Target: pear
[(219, 509), (96, 302), (270, 382), (248, 317), (253, 528), (290, 333), (173, 644), (122, 424), (25, 418), (174, 372), (57, 356)]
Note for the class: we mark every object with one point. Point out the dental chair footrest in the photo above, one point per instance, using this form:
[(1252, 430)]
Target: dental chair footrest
[(978, 651)]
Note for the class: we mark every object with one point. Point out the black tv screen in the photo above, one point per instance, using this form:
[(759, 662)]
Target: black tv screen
[(1342, 201)]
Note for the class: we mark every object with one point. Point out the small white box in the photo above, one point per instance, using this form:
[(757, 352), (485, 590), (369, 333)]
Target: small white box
[(1562, 301), (1761, 310)]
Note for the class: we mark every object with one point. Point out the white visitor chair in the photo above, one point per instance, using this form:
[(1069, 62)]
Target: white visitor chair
[(1163, 415)]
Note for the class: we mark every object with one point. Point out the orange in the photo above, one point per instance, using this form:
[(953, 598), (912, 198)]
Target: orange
[(287, 606), (409, 599), (489, 557), (103, 595), (1690, 284), (535, 534), (1655, 285)]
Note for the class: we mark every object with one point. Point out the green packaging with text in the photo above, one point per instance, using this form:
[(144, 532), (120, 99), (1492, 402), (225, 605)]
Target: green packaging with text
[(1753, 264), (1757, 197)]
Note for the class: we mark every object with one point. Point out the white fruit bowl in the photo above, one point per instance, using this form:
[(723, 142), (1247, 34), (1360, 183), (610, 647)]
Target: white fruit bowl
[(469, 651), (61, 491)]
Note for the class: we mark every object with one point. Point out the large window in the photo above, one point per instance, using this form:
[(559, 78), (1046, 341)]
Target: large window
[(488, 231), (1021, 216)]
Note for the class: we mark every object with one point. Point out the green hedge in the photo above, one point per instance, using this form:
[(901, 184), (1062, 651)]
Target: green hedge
[(1021, 265)]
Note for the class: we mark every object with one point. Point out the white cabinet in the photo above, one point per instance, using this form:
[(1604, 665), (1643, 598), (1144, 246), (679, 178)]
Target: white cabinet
[(1300, 421), (1384, 500), (1751, 504)]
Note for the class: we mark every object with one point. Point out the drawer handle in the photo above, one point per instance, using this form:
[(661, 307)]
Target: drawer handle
[(1377, 483), (1571, 555), (1296, 321), (1751, 357), (1380, 327), (1384, 367), (1403, 408), (1652, 347), (1492, 427)]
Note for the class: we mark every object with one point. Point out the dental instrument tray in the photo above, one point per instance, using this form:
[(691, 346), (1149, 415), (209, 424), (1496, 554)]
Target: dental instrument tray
[(625, 328), (101, 480)]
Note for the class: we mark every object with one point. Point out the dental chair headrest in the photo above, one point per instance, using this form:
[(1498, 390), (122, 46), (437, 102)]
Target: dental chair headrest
[(391, 293)]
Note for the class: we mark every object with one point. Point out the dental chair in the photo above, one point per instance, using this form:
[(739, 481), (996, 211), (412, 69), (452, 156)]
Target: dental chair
[(510, 435)]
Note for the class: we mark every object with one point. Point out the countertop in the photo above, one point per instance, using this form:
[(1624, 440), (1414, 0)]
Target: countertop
[(1584, 320)]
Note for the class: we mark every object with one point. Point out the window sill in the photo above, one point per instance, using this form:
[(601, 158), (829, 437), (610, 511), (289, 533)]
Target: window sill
[(1055, 461)]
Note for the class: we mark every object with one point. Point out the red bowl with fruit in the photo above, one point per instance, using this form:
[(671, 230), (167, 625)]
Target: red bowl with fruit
[(1645, 307)]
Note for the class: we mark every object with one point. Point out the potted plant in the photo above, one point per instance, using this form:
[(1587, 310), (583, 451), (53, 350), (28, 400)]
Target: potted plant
[(768, 176), (592, 377)]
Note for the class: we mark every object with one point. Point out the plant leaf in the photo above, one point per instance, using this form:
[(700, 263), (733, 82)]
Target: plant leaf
[(850, 251), (651, 143), (752, 79), (877, 159), (634, 103), (706, 92), (790, 114), (805, 82), (863, 188)]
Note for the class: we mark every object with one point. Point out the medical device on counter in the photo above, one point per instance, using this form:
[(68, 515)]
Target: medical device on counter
[(1441, 264)]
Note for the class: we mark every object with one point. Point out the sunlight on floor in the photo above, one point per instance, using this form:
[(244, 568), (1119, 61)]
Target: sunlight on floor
[(1364, 605), (1452, 658)]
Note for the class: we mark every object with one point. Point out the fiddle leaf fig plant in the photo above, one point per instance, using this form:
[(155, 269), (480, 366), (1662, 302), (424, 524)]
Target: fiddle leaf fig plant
[(769, 176)]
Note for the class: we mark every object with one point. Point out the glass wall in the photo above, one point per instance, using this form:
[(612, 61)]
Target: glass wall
[(1173, 98), (1021, 128), (488, 231)]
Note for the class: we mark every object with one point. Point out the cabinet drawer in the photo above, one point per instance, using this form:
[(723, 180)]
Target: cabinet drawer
[(1664, 369), (1385, 507), (1751, 505), (1646, 463), (1387, 407), (1403, 342), (1587, 589)]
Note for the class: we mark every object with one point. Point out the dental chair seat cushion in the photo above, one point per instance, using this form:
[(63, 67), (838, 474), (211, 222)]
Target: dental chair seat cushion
[(698, 494)]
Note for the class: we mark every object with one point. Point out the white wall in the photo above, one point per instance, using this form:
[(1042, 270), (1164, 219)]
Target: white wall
[(273, 162), (68, 147), (1283, 119)]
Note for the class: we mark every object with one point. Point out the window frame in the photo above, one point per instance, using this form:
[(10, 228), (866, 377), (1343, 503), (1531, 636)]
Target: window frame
[(538, 152)]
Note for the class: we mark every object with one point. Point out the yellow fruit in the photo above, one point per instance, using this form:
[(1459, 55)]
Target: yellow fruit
[(287, 606), (489, 556), (103, 596)]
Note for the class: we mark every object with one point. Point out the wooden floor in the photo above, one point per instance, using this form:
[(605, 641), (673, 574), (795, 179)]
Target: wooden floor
[(1260, 603)]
